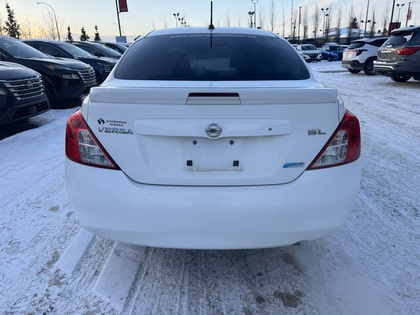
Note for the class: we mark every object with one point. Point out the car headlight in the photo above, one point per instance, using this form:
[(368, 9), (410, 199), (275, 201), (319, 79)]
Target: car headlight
[(70, 76)]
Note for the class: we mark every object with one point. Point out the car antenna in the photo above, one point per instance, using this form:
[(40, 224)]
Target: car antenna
[(211, 26)]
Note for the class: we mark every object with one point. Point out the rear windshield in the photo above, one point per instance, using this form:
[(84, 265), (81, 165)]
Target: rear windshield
[(216, 57), (356, 45), (402, 37)]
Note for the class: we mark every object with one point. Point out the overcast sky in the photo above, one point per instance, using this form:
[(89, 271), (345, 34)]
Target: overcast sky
[(144, 16)]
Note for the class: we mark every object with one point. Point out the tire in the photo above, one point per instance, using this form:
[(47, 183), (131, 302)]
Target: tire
[(49, 90), (329, 59), (353, 71), (400, 78), (368, 68)]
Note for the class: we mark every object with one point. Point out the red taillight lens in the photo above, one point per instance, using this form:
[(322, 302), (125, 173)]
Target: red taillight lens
[(343, 147), (83, 147), (408, 50), (359, 51)]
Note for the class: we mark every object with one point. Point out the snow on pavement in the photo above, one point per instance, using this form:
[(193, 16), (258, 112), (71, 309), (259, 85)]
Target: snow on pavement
[(49, 264)]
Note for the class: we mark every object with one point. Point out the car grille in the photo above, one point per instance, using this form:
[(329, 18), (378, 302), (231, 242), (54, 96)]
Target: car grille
[(87, 74), (28, 111), (313, 55), (108, 68), (26, 88)]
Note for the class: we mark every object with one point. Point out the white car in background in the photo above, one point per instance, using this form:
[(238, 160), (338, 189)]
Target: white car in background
[(209, 138), (309, 52)]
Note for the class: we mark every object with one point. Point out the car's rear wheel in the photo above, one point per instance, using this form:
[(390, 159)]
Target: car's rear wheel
[(368, 68), (353, 71), (400, 78)]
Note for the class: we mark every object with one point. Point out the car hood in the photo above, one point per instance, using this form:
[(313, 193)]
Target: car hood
[(63, 62), (11, 71)]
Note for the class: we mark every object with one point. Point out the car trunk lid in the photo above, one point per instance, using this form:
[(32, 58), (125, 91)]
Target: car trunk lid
[(213, 134)]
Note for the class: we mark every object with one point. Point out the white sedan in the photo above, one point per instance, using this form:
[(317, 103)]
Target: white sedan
[(212, 139)]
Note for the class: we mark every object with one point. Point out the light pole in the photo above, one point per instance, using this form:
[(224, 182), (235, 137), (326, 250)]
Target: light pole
[(250, 13), (254, 2), (325, 12), (300, 8), (176, 16), (55, 17), (409, 12), (399, 6), (367, 11)]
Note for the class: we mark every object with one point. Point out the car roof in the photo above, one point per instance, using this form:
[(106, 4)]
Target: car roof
[(404, 30), (368, 39), (205, 30)]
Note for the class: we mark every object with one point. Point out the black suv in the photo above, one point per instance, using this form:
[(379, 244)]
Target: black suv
[(22, 93), (102, 66), (65, 80), (97, 49), (399, 56)]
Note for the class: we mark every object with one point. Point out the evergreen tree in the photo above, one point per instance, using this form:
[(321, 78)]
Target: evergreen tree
[(97, 37), (84, 37), (12, 29), (69, 37)]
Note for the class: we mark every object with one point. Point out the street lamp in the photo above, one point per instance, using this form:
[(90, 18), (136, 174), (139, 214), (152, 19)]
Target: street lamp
[(409, 12), (399, 6), (325, 12), (55, 17), (176, 15), (254, 2), (250, 13)]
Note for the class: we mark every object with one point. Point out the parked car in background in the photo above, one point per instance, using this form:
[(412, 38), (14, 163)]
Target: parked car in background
[(309, 52), (22, 93), (361, 53), (399, 56), (102, 66), (332, 52), (118, 47), (64, 80), (212, 138), (97, 49)]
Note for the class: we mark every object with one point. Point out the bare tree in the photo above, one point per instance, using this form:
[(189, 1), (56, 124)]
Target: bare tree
[(385, 21), (305, 23), (338, 32), (272, 15), (316, 20), (352, 23), (26, 29), (284, 23), (227, 19), (373, 24), (48, 27), (261, 18)]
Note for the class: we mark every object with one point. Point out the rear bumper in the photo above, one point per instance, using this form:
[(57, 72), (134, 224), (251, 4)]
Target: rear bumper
[(109, 204), (352, 64), (401, 68), (13, 111)]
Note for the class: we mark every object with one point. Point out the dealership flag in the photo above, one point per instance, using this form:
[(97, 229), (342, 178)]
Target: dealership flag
[(409, 14), (123, 5)]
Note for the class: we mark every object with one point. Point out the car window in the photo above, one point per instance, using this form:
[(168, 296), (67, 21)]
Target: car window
[(91, 50), (396, 41), (20, 50), (308, 47), (214, 57), (335, 48), (50, 50), (73, 50), (356, 45)]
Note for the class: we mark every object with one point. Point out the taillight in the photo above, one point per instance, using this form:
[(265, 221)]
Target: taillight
[(343, 147), (359, 51), (83, 147), (408, 50)]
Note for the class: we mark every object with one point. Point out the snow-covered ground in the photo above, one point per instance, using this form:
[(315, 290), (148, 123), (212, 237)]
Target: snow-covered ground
[(49, 264)]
